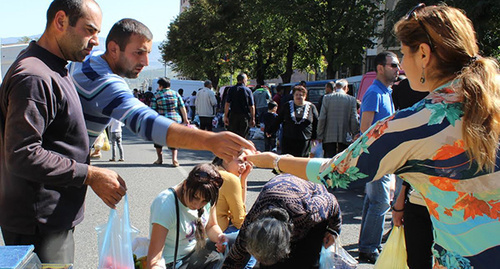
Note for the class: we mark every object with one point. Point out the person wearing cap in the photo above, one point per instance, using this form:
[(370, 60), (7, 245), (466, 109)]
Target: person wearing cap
[(104, 94), (337, 120), (205, 105)]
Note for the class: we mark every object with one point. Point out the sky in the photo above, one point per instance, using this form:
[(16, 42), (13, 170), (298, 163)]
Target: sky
[(20, 18)]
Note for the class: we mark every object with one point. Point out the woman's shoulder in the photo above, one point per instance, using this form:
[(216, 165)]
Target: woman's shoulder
[(229, 178)]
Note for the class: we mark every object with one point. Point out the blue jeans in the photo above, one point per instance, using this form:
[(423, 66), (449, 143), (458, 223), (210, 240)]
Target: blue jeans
[(375, 206)]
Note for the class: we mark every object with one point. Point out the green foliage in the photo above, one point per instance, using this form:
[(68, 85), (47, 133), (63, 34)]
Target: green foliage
[(484, 14)]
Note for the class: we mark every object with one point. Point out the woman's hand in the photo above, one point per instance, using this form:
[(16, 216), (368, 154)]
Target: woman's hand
[(262, 160), (221, 243), (328, 240)]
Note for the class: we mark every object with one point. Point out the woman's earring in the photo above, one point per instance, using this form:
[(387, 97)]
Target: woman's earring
[(422, 77)]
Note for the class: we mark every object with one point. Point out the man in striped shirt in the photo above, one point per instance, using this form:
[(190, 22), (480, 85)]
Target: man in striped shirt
[(104, 94)]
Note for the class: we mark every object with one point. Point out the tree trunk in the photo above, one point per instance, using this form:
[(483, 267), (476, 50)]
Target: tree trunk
[(260, 70), (287, 76)]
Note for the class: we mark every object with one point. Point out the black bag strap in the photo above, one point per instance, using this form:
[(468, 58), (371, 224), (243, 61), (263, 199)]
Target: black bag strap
[(178, 226)]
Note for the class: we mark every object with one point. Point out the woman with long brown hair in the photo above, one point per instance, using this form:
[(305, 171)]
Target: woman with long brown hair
[(181, 242), (445, 146)]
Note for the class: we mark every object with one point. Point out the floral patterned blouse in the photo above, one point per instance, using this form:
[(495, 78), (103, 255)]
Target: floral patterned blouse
[(424, 145)]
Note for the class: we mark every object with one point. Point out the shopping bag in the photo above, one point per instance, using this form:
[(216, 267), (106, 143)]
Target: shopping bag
[(336, 257), (316, 150), (102, 142), (106, 146), (223, 256), (115, 240), (393, 255)]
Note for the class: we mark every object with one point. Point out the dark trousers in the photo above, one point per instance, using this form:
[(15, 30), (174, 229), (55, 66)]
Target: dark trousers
[(295, 147), (304, 252), (269, 143), (51, 247), (333, 148), (206, 123), (238, 124), (418, 236)]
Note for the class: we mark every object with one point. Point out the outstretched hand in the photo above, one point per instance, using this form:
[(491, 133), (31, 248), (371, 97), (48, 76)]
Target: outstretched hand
[(107, 184), (262, 160), (228, 145)]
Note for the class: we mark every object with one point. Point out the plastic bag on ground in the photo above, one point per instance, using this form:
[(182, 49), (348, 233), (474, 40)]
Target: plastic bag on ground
[(393, 255), (336, 257)]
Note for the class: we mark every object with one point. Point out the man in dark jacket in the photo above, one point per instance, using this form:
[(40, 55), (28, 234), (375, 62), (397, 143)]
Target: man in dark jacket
[(239, 111)]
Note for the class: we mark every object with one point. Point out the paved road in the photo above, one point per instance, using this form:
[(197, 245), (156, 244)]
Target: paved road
[(145, 180)]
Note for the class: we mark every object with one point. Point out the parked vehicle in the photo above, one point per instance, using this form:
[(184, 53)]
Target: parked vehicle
[(316, 89)]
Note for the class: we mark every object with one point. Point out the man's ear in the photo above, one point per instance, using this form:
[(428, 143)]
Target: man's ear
[(61, 21), (112, 48)]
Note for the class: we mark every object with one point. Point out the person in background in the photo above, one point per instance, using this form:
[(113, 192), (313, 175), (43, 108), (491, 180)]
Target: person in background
[(284, 228), (127, 46), (261, 97), (279, 94), (338, 120), (300, 119), (376, 105), (168, 103), (115, 130), (239, 109), (44, 147), (194, 201), (267, 120), (192, 105), (205, 106), (445, 146), (329, 87)]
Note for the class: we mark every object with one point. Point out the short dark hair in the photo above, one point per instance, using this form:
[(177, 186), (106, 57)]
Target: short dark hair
[(164, 82), (271, 105), (207, 83), (381, 58), (122, 30), (299, 88), (241, 76), (74, 9)]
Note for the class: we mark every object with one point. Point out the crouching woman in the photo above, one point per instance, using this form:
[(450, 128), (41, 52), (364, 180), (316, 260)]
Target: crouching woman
[(184, 230), (287, 225)]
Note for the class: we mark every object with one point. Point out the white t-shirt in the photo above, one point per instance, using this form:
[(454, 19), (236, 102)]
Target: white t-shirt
[(163, 213)]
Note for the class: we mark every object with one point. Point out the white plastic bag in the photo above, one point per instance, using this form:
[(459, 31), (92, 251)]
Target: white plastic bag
[(115, 240), (336, 257)]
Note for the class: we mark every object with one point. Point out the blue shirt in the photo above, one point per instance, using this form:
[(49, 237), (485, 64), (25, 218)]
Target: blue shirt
[(378, 99)]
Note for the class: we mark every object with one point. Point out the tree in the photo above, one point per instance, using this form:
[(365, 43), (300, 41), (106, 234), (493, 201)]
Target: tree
[(196, 46), (345, 29), (484, 14)]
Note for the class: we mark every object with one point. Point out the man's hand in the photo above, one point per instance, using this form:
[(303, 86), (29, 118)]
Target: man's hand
[(226, 120), (252, 122), (107, 184), (227, 145)]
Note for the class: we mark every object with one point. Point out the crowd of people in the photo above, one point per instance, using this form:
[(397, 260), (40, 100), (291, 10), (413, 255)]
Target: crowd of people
[(439, 148)]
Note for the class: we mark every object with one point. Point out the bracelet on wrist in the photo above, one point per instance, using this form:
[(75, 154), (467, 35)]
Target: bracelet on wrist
[(276, 162), (397, 210)]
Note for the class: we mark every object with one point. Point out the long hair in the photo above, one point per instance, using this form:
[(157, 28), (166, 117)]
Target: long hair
[(205, 181), (452, 39)]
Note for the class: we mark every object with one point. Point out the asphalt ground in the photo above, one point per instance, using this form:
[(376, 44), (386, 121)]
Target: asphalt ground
[(145, 181)]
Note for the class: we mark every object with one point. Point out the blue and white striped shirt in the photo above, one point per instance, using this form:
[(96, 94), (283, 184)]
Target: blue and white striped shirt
[(105, 95)]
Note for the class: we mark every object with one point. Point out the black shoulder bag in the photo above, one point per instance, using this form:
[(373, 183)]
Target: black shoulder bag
[(178, 226)]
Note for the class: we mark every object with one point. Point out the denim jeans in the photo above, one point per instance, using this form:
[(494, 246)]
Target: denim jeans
[(375, 206)]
